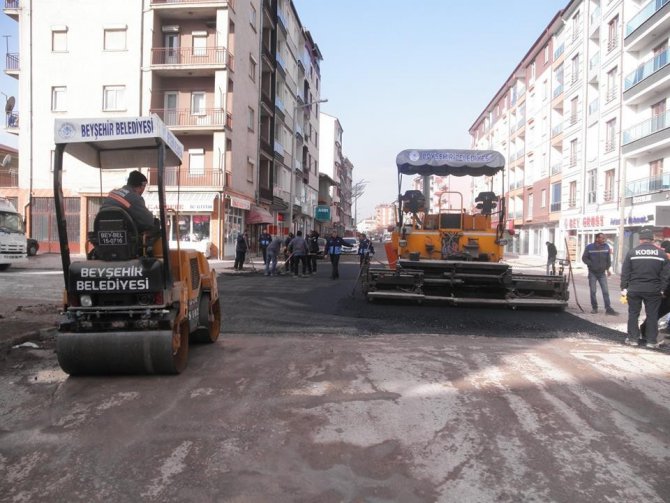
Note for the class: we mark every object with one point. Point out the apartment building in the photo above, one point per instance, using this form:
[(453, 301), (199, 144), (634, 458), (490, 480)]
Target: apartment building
[(385, 215), (575, 137), (335, 175), (214, 71)]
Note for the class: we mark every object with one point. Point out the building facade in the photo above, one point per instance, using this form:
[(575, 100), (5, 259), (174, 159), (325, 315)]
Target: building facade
[(582, 123), (226, 77)]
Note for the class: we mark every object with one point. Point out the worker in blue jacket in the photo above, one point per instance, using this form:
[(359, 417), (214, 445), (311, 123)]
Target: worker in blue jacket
[(333, 250), (598, 259)]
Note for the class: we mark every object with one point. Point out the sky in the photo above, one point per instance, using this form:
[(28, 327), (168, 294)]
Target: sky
[(400, 74)]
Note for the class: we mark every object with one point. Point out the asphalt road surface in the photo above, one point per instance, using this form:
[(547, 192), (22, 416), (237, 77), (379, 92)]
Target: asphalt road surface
[(314, 395)]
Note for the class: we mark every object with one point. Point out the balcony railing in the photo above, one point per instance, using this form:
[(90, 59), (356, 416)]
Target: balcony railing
[(594, 62), (12, 120), (610, 145), (12, 4), (572, 202), (608, 196), (12, 62), (558, 90), (556, 168), (612, 44), (207, 117), (594, 106), (646, 69), (190, 56), (555, 207), (647, 185), (595, 15), (645, 128), (645, 13), (9, 178), (557, 129), (611, 94), (174, 176)]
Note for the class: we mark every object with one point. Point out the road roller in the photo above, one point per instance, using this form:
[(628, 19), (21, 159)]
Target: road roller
[(444, 251), (133, 305)]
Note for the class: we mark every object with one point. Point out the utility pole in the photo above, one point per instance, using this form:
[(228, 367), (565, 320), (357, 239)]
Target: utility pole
[(357, 190)]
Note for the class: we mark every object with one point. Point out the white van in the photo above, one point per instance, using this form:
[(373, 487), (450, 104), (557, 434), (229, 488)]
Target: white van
[(12, 235)]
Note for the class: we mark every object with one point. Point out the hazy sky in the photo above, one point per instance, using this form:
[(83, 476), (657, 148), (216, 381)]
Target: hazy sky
[(401, 74)]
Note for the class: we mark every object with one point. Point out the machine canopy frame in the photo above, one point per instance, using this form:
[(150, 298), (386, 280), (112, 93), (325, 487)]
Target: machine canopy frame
[(450, 162)]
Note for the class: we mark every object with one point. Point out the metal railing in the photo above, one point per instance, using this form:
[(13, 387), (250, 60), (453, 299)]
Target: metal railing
[(647, 127), (647, 185), (594, 106), (612, 44), (557, 90), (559, 50), (556, 168), (174, 176), (12, 61), (557, 129), (645, 13), (646, 69), (230, 3), (12, 120), (12, 4), (555, 207), (9, 178), (207, 117), (190, 56)]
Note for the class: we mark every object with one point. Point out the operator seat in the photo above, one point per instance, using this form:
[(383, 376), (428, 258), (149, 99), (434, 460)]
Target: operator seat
[(486, 202), (114, 235)]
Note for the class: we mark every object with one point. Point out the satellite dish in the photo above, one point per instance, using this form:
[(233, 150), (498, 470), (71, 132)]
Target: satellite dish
[(7, 159), (9, 106)]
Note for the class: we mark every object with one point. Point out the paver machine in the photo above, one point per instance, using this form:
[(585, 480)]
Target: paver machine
[(450, 254), (133, 304)]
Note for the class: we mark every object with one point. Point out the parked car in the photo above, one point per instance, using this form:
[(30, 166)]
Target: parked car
[(350, 247), (32, 246)]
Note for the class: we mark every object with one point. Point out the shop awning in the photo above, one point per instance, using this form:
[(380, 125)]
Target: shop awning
[(188, 201), (258, 215)]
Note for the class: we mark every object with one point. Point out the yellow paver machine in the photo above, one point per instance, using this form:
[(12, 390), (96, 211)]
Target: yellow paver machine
[(134, 304), (450, 254)]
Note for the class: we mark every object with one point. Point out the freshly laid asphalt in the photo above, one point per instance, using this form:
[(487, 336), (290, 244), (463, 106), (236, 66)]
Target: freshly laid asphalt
[(18, 291)]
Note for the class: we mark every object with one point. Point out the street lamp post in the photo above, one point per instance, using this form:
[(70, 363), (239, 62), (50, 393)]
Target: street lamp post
[(296, 107)]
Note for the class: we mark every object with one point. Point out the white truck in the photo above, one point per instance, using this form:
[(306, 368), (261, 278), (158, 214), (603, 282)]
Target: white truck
[(12, 235)]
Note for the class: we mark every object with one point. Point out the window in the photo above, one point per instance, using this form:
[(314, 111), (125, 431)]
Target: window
[(546, 54), (543, 198), (573, 153), (251, 167), (608, 195), (59, 39), (529, 211), (113, 98), (591, 181), (252, 16), (610, 135), (251, 119), (611, 84), (533, 69), (200, 43), (612, 33), (198, 103), (573, 110), (555, 196), (196, 161), (574, 65), (58, 99), (252, 68), (572, 197), (115, 39)]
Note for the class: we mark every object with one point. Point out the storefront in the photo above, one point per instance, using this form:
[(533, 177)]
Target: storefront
[(235, 212)]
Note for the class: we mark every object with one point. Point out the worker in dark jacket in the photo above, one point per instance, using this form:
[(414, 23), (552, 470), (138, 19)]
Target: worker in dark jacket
[(597, 257), (333, 250), (365, 249), (552, 253), (241, 247), (129, 197), (264, 241), (665, 301), (645, 276)]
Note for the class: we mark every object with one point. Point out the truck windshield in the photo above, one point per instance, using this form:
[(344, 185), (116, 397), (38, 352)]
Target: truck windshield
[(11, 222)]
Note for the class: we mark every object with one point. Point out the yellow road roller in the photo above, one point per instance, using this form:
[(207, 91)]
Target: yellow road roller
[(133, 305)]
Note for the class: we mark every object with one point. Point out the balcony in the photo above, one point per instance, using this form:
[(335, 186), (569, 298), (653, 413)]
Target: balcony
[(12, 67), (207, 119), (554, 207), (557, 129), (610, 146), (12, 122), (608, 196), (12, 8), (646, 185), (179, 176), (612, 44), (9, 178), (558, 90), (190, 61), (645, 13), (556, 168), (645, 70), (646, 128), (186, 9), (594, 106)]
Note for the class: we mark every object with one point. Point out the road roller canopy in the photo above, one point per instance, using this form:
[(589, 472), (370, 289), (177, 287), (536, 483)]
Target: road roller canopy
[(118, 142), (450, 162)]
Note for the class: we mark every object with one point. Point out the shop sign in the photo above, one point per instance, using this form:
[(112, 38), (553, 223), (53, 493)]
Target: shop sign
[(586, 222), (322, 213), (243, 204), (630, 220)]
